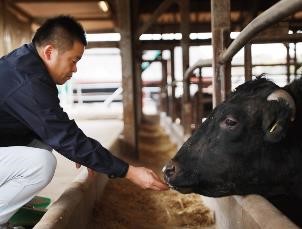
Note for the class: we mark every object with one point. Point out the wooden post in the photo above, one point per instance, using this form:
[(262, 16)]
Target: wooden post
[(164, 90), (173, 87), (200, 101), (248, 62), (295, 59), (287, 62), (2, 28), (185, 31), (139, 85), (129, 79), (220, 11), (137, 59)]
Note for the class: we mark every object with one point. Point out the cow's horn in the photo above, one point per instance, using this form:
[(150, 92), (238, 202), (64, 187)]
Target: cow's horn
[(282, 94)]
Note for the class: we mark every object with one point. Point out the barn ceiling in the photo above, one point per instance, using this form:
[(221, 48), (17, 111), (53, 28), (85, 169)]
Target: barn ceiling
[(95, 20)]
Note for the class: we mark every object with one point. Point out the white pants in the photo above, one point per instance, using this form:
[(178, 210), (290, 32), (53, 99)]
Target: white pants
[(24, 171)]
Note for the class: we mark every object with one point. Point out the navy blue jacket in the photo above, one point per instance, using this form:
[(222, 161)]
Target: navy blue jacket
[(30, 108)]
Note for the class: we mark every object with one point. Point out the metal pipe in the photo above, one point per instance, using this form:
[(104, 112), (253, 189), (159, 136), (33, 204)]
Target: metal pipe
[(198, 64), (275, 13)]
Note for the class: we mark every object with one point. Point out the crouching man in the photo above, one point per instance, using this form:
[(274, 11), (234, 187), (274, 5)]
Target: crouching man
[(32, 123)]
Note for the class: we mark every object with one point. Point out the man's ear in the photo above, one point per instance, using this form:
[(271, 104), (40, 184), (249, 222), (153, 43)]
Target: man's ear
[(47, 52), (276, 119)]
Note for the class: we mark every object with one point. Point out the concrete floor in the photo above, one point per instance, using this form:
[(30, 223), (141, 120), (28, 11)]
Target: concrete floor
[(96, 122)]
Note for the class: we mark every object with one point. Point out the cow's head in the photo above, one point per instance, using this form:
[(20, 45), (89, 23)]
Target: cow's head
[(241, 146)]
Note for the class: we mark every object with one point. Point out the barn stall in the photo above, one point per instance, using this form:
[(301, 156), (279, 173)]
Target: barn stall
[(133, 19)]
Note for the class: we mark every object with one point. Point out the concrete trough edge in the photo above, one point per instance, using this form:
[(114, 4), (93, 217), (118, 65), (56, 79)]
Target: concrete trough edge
[(249, 212), (74, 208)]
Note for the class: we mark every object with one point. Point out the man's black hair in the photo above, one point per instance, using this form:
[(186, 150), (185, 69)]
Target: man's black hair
[(60, 31)]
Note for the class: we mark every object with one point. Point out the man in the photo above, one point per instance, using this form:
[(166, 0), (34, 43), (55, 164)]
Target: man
[(32, 123)]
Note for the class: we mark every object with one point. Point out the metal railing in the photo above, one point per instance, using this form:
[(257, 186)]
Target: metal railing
[(96, 92), (272, 15)]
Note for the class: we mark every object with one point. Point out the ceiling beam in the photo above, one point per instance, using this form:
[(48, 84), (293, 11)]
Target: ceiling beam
[(162, 7), (17, 10), (52, 1), (170, 44)]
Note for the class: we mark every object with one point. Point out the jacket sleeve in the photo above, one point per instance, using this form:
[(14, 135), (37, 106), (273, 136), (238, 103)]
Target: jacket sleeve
[(36, 104)]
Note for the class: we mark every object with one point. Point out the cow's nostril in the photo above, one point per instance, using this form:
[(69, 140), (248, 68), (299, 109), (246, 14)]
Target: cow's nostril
[(169, 170)]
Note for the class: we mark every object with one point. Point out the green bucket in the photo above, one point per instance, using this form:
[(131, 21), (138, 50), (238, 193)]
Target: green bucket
[(31, 213)]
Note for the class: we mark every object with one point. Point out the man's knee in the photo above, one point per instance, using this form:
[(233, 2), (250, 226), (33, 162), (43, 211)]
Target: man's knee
[(45, 165)]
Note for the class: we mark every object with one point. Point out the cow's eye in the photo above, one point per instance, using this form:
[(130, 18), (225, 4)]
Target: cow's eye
[(230, 122)]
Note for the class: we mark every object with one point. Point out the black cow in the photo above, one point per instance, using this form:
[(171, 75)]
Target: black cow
[(250, 144)]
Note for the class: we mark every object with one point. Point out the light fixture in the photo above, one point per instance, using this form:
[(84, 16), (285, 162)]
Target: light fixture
[(103, 6)]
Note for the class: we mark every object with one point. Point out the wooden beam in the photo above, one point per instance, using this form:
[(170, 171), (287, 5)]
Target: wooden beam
[(103, 44), (162, 7), (170, 44), (18, 12), (51, 1), (113, 12), (174, 28)]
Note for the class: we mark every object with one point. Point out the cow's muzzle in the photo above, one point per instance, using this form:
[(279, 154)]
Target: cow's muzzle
[(171, 171)]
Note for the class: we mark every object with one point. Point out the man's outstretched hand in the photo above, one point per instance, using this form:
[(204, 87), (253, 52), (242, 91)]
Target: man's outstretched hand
[(141, 176), (145, 178), (90, 171)]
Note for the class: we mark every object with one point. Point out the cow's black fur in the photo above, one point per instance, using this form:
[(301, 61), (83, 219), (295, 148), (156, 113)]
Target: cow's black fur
[(237, 150)]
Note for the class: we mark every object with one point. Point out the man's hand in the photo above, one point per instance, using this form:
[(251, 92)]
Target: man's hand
[(90, 171), (145, 178)]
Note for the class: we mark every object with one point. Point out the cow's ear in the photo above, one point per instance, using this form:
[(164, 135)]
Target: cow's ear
[(276, 118)]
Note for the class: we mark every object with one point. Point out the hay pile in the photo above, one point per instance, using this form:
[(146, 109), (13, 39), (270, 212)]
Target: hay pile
[(124, 205)]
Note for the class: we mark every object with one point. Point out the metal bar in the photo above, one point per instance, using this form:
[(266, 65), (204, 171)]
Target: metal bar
[(114, 95), (248, 62), (221, 24), (205, 63), (198, 64), (275, 13)]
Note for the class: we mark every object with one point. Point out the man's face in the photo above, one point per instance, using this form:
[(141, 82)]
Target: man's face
[(62, 65)]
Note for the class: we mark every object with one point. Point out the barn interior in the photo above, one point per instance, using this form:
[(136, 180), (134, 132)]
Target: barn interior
[(164, 25)]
